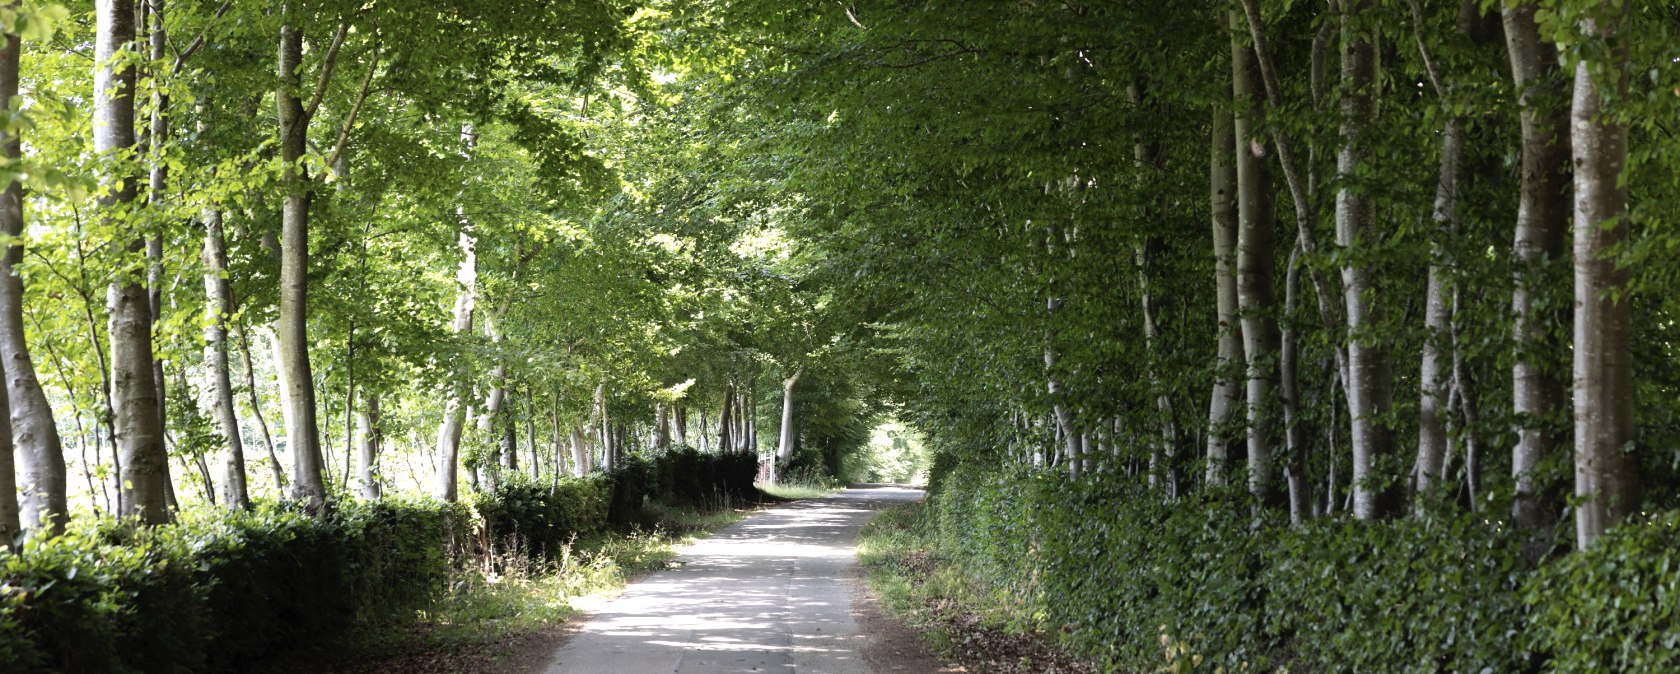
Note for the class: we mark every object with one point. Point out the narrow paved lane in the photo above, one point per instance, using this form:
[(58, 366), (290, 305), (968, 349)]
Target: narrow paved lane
[(768, 594)]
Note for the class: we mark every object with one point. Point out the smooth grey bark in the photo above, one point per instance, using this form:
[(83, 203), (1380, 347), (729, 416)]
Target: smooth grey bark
[(496, 404), (1301, 192), (137, 417), (1463, 399), (784, 447), (446, 486), (1434, 372), (603, 426), (303, 434), (158, 179), (11, 325), (370, 440), (32, 428), (256, 409), (1369, 395), (1161, 456), (580, 454), (1294, 437), (10, 524), (1227, 393), (1433, 368), (681, 414), (218, 307), (725, 442), (1606, 476), (662, 425), (1538, 392), (1256, 296)]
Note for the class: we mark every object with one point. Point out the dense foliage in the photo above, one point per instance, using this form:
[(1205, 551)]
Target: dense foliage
[(216, 591), (1126, 580)]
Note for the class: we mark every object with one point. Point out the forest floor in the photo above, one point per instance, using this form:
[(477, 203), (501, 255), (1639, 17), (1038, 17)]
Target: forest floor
[(964, 621)]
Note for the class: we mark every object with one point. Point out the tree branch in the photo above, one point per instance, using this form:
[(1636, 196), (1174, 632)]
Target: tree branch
[(198, 42), (356, 109), (327, 64)]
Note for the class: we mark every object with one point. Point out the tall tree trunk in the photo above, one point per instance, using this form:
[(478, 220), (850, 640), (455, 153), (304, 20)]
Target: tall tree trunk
[(1368, 384), (10, 525), (724, 441), (256, 409), (1227, 394), (370, 439), (580, 454), (603, 428), (138, 419), (1161, 456), (662, 425), (531, 432), (1289, 380), (1256, 297), (784, 447), (447, 487), (682, 424), (303, 434), (158, 180), (218, 307), (1537, 390), (1434, 368), (1606, 475), (38, 445)]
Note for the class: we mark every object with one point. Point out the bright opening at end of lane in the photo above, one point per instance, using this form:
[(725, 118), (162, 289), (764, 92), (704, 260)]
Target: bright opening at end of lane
[(769, 594)]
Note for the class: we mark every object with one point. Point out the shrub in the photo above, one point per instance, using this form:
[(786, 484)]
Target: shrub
[(1614, 607), (217, 590), (1116, 571)]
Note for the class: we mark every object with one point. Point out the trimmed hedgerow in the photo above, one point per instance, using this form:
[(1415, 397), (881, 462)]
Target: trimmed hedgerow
[(217, 590), (1122, 575)]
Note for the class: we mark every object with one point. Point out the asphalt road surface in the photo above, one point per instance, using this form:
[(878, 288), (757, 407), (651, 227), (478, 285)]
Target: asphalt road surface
[(768, 594)]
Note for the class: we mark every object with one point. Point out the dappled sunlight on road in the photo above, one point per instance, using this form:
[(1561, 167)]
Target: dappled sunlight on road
[(765, 595)]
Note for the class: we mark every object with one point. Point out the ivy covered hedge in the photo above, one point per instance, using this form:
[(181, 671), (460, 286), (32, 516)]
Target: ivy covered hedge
[(1113, 569), (217, 590)]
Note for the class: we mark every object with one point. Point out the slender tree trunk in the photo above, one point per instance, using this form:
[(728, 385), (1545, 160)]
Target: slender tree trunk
[(256, 409), (784, 448), (1161, 456), (531, 432), (446, 487), (134, 390), (157, 182), (1433, 371), (303, 435), (580, 454), (1538, 391), (218, 307), (1256, 297), (724, 441), (682, 424), (370, 439), (1289, 370), (1227, 393), (38, 445), (1368, 384), (603, 429), (662, 425), (1606, 474)]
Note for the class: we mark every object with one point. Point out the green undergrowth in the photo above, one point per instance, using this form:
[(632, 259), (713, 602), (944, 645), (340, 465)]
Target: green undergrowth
[(794, 491), (1127, 580), (217, 591), (517, 594), (920, 583)]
